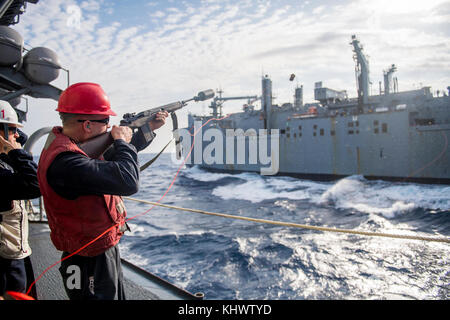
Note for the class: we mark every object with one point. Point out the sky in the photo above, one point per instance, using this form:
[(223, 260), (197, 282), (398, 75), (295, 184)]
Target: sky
[(150, 53)]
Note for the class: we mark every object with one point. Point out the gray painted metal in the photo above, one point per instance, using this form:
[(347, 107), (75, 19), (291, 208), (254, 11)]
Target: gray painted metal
[(41, 65), (10, 10), (29, 75), (395, 136), (11, 45), (35, 137), (14, 81)]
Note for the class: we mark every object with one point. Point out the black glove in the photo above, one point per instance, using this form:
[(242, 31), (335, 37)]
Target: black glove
[(22, 137)]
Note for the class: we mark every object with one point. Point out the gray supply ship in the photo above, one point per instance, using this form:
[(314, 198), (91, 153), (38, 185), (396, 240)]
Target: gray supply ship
[(393, 136)]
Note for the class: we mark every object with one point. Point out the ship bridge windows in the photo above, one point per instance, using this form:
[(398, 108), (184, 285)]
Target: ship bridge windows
[(353, 127), (316, 131), (376, 129), (414, 120), (226, 124), (424, 122), (321, 130)]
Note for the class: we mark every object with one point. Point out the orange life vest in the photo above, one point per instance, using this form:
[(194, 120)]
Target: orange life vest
[(74, 223)]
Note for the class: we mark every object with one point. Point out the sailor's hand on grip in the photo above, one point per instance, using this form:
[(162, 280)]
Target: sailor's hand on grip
[(159, 120), (121, 132)]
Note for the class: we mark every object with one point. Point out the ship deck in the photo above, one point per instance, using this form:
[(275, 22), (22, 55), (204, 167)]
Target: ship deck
[(139, 284)]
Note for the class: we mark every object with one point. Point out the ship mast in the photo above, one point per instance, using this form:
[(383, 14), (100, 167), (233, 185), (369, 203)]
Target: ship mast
[(388, 79), (362, 72)]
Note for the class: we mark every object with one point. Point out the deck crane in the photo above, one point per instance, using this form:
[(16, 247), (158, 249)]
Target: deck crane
[(216, 104)]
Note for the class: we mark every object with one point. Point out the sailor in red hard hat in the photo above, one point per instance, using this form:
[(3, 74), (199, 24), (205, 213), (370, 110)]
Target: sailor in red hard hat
[(85, 98), (82, 196)]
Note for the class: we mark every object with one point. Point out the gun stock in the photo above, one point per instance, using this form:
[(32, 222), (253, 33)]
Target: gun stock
[(96, 146)]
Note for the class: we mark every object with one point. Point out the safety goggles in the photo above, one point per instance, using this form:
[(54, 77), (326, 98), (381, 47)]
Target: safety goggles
[(104, 121), (9, 131), (12, 130)]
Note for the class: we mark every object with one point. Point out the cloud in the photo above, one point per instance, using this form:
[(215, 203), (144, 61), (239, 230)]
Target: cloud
[(230, 43), (318, 10), (157, 14)]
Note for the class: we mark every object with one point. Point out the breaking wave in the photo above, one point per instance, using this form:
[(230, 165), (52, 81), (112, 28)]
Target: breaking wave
[(353, 193), (233, 259)]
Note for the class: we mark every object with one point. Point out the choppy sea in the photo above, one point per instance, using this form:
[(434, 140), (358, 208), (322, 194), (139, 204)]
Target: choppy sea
[(233, 259)]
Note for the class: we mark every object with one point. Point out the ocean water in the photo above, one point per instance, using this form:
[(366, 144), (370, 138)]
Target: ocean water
[(233, 259)]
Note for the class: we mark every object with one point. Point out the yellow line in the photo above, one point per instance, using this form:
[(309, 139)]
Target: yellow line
[(295, 225)]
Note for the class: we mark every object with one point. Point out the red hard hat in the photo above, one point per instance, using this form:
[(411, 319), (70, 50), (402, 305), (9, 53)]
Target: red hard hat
[(85, 98)]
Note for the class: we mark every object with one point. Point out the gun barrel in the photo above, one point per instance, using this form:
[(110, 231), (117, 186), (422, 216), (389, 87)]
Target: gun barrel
[(204, 95), (96, 146)]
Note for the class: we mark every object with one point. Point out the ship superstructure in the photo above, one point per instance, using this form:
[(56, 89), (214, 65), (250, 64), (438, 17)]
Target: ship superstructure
[(393, 135), (24, 72)]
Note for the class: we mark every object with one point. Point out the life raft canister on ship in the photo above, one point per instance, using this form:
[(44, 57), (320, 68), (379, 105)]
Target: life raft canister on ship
[(11, 46)]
